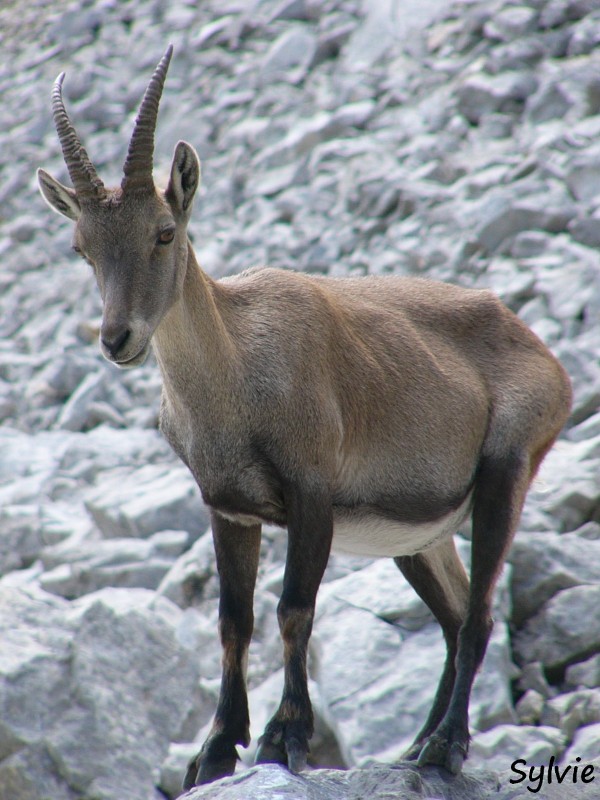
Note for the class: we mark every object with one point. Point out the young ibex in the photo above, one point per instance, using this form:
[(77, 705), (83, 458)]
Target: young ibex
[(373, 414)]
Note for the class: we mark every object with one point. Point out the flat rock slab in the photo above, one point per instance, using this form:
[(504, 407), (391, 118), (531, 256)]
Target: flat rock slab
[(401, 782), (375, 783)]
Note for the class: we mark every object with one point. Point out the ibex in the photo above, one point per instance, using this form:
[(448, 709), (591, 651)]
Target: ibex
[(371, 414)]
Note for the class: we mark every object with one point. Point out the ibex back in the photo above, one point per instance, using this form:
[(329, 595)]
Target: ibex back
[(373, 414)]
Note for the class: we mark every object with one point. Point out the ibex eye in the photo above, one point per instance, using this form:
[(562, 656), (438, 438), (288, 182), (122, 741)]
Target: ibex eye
[(166, 236)]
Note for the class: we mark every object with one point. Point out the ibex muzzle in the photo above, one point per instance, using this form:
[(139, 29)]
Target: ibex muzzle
[(370, 414)]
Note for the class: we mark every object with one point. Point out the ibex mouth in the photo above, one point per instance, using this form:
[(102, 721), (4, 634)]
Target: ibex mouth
[(134, 361)]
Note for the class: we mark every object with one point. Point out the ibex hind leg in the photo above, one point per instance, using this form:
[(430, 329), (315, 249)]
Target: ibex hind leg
[(500, 488), (439, 578)]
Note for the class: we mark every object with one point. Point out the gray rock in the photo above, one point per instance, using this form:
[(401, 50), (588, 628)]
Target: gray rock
[(529, 244), (380, 783), (152, 499), (564, 631), (309, 133), (549, 102), (585, 674), (530, 707), (384, 25), (590, 530), (508, 279), (586, 230), (557, 13), (512, 218), (174, 767), (482, 94), (381, 589), (215, 32), (582, 177), (22, 537), (180, 18), (546, 563), (378, 683), (290, 56), (585, 746), (104, 449), (332, 40), (24, 771), (498, 748), (573, 710), (588, 429), (294, 9), (510, 23), (74, 568), (570, 503), (75, 414), (103, 722), (193, 577), (533, 678), (584, 39), (375, 705), (584, 371)]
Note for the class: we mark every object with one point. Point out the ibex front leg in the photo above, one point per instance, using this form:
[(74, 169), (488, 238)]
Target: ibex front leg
[(237, 551), (310, 530)]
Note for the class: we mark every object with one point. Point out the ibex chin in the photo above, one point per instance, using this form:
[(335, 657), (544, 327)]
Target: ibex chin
[(371, 414)]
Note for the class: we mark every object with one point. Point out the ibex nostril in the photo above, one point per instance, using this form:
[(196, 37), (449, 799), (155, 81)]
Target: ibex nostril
[(114, 341)]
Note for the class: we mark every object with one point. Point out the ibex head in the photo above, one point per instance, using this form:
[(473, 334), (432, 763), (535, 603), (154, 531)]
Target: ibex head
[(134, 236)]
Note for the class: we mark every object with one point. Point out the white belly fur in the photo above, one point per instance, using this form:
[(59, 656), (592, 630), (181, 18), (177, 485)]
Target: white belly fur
[(370, 535)]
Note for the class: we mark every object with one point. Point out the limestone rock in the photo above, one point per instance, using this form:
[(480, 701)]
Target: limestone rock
[(564, 631), (546, 563), (74, 569), (193, 577), (496, 749), (584, 674), (484, 94), (573, 710), (510, 23), (379, 784), (290, 56), (104, 722), (585, 746), (152, 499)]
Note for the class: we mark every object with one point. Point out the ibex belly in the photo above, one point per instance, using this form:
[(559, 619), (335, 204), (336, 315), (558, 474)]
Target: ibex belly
[(367, 534)]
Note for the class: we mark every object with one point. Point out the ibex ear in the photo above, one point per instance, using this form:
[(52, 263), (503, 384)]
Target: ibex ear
[(184, 180), (59, 197)]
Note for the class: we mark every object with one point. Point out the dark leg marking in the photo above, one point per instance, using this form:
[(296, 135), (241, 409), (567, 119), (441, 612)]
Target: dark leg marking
[(499, 494), (237, 550), (440, 580), (310, 531)]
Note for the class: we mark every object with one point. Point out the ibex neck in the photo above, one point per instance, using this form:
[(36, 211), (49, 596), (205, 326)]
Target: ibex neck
[(192, 345)]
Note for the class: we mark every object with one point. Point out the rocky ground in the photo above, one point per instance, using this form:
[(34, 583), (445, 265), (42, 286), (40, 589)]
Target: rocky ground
[(458, 141)]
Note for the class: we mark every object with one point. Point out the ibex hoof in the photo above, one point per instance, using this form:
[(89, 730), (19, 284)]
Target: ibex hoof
[(443, 752), (217, 759), (281, 745)]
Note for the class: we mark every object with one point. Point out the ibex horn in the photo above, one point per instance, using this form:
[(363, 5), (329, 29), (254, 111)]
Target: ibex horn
[(85, 179), (138, 164)]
